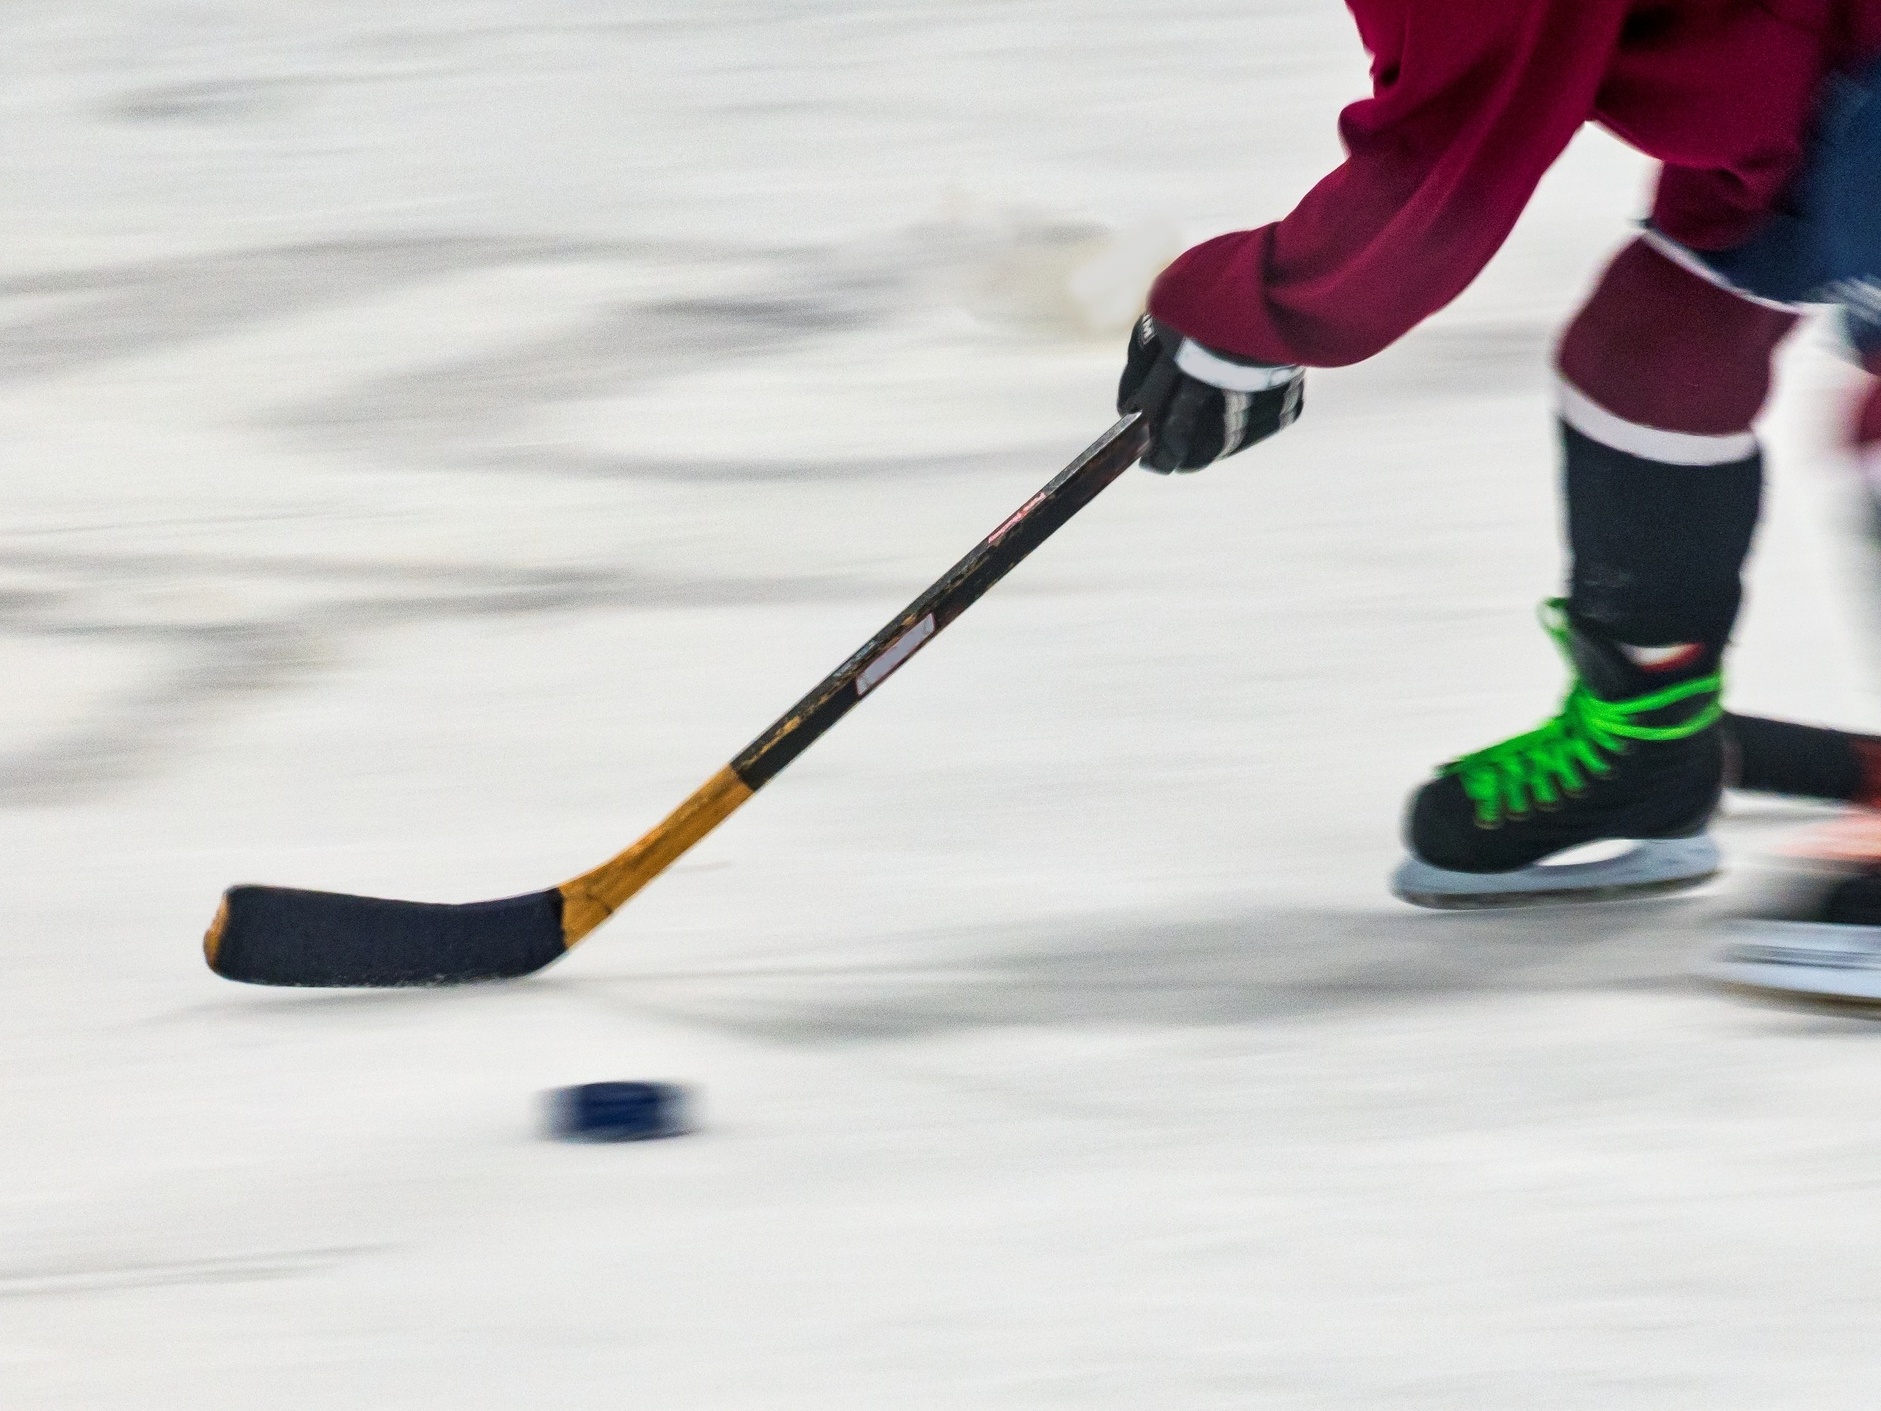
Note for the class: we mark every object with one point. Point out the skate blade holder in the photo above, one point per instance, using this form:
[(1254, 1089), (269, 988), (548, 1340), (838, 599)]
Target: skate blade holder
[(1821, 963), (1643, 867)]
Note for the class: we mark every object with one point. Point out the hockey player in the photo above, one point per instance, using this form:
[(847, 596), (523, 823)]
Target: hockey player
[(1765, 116)]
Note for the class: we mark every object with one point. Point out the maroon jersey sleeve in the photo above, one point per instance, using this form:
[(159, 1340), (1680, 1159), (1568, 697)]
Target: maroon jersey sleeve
[(1472, 101)]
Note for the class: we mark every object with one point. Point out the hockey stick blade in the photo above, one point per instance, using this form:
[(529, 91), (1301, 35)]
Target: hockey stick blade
[(285, 936), (282, 936)]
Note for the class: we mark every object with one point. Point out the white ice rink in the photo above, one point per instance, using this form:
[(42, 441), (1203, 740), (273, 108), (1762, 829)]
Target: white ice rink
[(437, 435)]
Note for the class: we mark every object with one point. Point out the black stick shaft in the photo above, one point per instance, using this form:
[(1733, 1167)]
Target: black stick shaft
[(1803, 761), (921, 621)]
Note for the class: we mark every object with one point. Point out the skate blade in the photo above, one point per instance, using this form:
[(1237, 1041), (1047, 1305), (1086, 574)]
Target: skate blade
[(1649, 867), (1813, 963)]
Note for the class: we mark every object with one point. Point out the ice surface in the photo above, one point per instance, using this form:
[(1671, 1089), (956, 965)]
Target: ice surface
[(439, 435)]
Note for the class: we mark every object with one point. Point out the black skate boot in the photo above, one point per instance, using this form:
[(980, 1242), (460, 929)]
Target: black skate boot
[(1634, 757)]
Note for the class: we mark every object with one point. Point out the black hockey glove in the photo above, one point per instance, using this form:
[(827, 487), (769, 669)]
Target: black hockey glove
[(1202, 405)]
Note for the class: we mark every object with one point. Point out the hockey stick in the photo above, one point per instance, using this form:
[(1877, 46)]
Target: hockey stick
[(1803, 761), (283, 936)]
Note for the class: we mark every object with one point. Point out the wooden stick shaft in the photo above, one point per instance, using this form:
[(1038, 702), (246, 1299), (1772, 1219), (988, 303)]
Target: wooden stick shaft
[(591, 898), (594, 896)]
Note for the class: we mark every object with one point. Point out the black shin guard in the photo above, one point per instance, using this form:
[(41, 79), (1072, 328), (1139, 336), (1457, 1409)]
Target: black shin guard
[(1658, 548)]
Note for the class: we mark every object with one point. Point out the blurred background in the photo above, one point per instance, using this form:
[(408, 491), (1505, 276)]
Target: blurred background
[(437, 436)]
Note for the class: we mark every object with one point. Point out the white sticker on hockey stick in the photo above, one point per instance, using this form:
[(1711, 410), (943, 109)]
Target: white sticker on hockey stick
[(898, 651)]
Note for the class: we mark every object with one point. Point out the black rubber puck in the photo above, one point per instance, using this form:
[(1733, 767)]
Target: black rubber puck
[(618, 1112)]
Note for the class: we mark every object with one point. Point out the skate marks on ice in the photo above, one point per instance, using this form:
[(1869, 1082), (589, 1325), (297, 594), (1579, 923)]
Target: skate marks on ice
[(175, 637), (466, 411), (264, 65), (224, 1269), (742, 309), (250, 98), (200, 635), (1236, 968), (58, 322)]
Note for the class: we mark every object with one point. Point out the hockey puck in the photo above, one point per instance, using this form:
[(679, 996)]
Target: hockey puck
[(618, 1112)]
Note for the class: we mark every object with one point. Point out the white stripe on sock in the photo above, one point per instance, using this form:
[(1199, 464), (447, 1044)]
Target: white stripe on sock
[(1596, 423)]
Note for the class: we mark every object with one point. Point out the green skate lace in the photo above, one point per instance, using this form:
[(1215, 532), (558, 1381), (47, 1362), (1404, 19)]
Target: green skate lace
[(1559, 757)]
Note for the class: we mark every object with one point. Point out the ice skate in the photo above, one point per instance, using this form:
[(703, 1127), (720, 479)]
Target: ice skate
[(1634, 759), (1814, 932)]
